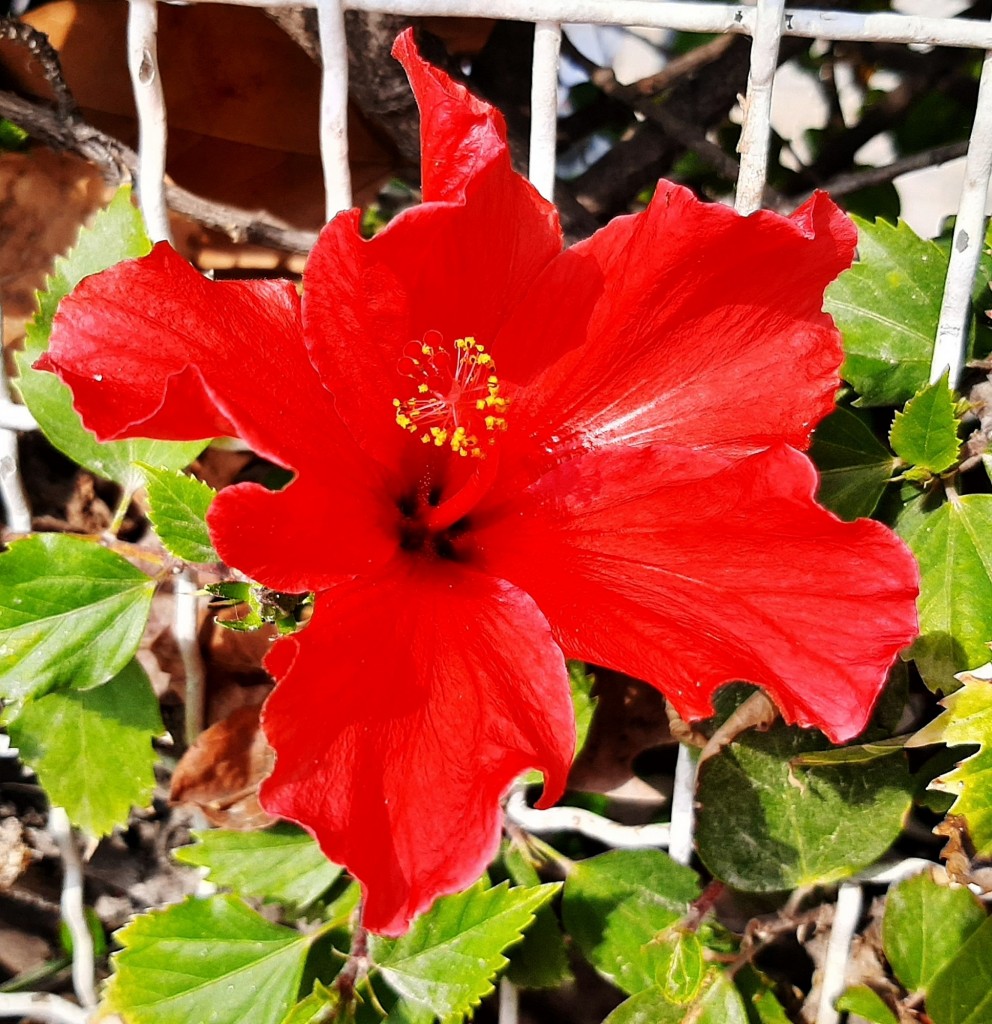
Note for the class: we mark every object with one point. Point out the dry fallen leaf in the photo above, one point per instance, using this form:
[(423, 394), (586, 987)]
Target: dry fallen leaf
[(221, 772)]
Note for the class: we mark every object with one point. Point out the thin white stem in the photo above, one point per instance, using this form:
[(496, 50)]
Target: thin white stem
[(185, 625), (334, 107), (969, 240), (544, 107), (15, 417), (890, 873), (146, 82), (756, 130), (15, 500), (73, 913), (683, 16), (586, 823), (41, 1006), (847, 913), (509, 1002), (683, 806)]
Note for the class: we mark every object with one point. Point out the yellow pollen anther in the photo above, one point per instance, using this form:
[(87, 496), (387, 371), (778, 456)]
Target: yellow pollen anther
[(458, 396)]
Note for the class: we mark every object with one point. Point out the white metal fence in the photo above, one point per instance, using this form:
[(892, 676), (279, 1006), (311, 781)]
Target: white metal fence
[(766, 23)]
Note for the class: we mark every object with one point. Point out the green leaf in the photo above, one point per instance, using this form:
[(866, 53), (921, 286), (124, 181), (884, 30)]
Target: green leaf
[(767, 823), (720, 1003), (967, 719), (282, 864), (615, 905), (92, 749), (867, 1004), (758, 995), (316, 1008), (406, 1012), (541, 960), (681, 967), (71, 614), (177, 508), (857, 753), (854, 465), (449, 958), (962, 992), (954, 548), (925, 433), (925, 925), (117, 233), (886, 307), (583, 701), (206, 960), (581, 683)]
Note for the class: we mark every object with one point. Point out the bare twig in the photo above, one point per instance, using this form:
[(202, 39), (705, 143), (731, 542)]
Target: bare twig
[(185, 625), (15, 501), (83, 968), (41, 1006), (509, 1002), (853, 181), (119, 164), (683, 806), (47, 56), (845, 924), (586, 823)]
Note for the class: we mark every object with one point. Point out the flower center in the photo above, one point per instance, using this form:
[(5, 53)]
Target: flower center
[(458, 402)]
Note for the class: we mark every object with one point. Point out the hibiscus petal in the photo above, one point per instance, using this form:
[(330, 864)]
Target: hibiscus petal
[(691, 326), (151, 348), (690, 570), (402, 714), (308, 536), (460, 135), (457, 267)]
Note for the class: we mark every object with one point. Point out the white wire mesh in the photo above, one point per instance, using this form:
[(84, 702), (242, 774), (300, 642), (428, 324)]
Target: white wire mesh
[(766, 22)]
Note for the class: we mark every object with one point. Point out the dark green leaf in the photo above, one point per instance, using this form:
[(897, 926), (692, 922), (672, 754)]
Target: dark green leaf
[(92, 749), (71, 614), (117, 233), (962, 992), (767, 824), (867, 1004), (925, 434), (210, 960), (954, 548), (854, 465), (615, 905), (282, 864), (449, 958), (540, 961), (177, 508), (925, 925), (886, 307)]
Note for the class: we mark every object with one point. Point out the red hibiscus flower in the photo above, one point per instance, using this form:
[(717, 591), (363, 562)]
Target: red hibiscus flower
[(506, 455)]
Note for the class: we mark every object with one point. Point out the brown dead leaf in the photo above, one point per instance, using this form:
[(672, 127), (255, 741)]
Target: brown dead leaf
[(45, 198), (14, 853), (629, 718), (230, 75), (221, 772), (956, 853)]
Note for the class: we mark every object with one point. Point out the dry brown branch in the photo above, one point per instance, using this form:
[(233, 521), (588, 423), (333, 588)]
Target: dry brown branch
[(853, 181), (119, 163)]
